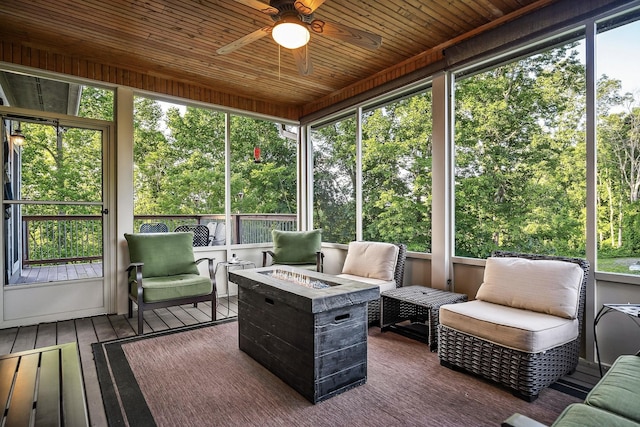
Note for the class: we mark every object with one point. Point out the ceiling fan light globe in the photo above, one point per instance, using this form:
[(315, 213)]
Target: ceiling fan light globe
[(290, 35)]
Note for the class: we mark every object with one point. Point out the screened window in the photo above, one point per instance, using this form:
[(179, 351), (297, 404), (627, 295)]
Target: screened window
[(520, 156), (618, 139), (334, 180), (396, 172), (179, 172), (263, 179)]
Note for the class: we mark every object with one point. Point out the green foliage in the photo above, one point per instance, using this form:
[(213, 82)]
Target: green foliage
[(397, 173), (631, 233), (520, 157), (96, 103), (60, 164), (268, 186), (334, 180), (180, 163)]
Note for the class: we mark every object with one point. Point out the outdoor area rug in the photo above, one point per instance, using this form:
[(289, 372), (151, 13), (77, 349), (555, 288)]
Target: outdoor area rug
[(197, 376)]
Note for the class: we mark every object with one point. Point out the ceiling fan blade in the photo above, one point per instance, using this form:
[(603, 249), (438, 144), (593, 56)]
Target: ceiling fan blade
[(243, 41), (306, 7), (303, 61), (346, 34), (258, 5)]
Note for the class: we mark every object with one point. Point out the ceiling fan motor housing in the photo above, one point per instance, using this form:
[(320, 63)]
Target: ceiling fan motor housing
[(287, 8)]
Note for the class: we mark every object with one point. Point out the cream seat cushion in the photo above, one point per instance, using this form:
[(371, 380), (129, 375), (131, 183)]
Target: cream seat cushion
[(375, 260), (524, 330), (545, 286)]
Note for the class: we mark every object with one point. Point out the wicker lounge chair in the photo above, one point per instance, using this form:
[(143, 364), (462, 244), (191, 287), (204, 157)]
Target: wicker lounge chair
[(365, 274), (526, 373)]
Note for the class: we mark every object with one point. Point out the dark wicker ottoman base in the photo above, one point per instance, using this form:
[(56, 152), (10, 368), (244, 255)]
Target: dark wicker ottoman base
[(421, 306)]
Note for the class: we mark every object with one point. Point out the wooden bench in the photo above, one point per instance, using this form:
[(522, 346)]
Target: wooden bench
[(43, 387)]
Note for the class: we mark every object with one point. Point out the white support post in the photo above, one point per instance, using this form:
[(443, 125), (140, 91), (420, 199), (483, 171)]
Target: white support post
[(591, 302), (227, 180), (124, 194), (359, 234), (305, 179), (442, 176)]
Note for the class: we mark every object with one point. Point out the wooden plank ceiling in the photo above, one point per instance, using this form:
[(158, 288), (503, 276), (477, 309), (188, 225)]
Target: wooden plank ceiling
[(177, 40)]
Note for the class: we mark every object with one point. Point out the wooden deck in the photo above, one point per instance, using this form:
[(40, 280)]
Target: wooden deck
[(54, 273), (87, 331)]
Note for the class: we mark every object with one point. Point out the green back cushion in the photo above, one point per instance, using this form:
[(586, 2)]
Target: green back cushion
[(617, 391), (581, 415), (163, 254), (296, 247)]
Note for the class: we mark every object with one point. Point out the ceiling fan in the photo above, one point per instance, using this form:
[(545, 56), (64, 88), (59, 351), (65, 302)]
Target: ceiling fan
[(295, 18)]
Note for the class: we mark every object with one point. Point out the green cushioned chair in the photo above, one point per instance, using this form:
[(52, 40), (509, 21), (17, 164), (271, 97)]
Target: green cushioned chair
[(580, 415), (298, 248), (619, 390), (163, 272)]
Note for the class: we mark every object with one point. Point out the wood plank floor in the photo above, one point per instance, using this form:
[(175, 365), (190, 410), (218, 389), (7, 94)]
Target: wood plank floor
[(55, 272), (89, 330)]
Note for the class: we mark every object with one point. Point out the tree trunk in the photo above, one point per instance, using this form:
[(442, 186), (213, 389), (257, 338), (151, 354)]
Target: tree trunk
[(611, 213), (620, 217)]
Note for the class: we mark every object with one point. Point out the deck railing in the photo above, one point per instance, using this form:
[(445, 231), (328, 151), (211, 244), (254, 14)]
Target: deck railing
[(54, 239)]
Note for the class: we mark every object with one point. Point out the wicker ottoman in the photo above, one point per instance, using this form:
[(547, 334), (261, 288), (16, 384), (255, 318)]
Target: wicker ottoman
[(419, 305)]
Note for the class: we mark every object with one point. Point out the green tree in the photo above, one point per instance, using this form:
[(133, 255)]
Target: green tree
[(152, 158), (96, 103), (520, 157), (61, 164), (270, 185), (180, 163), (194, 179), (618, 171), (334, 180), (397, 173)]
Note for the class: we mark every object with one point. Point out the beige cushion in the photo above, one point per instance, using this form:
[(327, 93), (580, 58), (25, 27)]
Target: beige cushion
[(546, 286), (524, 330), (375, 260), (384, 285)]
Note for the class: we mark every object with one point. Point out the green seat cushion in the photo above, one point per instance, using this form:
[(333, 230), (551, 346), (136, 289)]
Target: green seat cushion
[(296, 247), (618, 390), (171, 287), (581, 415), (163, 254)]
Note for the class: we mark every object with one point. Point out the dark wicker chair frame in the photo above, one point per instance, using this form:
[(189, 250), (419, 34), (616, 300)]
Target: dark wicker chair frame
[(524, 373), (200, 233), (373, 308)]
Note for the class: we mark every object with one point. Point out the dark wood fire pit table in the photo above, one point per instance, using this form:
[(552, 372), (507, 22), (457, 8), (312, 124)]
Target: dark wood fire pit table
[(307, 328), (420, 306)]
